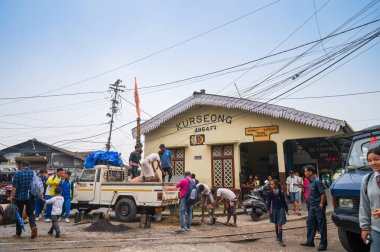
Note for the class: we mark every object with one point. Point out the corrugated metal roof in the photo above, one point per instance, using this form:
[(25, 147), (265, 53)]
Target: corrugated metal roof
[(245, 105)]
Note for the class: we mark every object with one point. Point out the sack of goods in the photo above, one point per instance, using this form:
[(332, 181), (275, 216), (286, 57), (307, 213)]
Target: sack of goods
[(10, 214)]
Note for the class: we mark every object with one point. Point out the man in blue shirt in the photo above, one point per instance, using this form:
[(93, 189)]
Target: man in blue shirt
[(67, 194), (166, 162), (317, 212), (22, 198), (39, 202)]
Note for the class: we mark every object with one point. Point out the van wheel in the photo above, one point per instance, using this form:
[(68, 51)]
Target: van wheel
[(351, 242), (125, 210)]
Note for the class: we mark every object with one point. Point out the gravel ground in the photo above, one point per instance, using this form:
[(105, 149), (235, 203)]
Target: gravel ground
[(161, 236)]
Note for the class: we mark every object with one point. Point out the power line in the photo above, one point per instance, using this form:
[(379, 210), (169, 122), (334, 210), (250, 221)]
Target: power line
[(160, 51), (52, 95), (255, 60), (331, 96), (274, 49)]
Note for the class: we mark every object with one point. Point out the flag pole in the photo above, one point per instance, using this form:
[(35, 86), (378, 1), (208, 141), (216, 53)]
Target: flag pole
[(137, 101)]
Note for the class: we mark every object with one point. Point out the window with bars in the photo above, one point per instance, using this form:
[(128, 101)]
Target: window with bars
[(178, 161), (222, 157)]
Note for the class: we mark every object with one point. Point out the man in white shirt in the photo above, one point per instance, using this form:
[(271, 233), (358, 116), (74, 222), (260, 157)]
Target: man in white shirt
[(230, 197), (292, 190), (205, 192), (147, 172)]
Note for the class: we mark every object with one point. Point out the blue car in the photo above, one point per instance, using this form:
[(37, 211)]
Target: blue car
[(345, 191)]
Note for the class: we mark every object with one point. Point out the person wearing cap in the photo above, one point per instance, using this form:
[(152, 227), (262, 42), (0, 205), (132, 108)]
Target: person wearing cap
[(39, 202), (134, 160), (166, 162), (292, 191)]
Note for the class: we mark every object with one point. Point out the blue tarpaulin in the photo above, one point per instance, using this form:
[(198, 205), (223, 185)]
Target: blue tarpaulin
[(102, 157)]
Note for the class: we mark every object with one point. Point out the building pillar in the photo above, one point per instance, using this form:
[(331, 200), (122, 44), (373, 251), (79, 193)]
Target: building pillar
[(281, 164)]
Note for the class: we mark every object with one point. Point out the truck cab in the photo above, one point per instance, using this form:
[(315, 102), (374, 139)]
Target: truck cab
[(345, 191), (108, 186)]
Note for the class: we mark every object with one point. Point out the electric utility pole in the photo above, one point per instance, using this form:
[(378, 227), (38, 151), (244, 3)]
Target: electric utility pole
[(115, 88)]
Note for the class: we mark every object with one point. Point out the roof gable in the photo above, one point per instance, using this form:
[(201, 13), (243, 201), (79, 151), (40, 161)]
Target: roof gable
[(245, 105), (18, 147)]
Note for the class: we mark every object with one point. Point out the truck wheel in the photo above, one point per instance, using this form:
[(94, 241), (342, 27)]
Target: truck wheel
[(125, 210), (254, 215), (351, 242)]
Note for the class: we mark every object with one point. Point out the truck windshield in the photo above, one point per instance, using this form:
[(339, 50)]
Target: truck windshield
[(360, 148)]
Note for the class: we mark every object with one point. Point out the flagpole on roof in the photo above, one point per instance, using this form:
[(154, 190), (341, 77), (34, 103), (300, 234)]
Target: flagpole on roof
[(137, 101)]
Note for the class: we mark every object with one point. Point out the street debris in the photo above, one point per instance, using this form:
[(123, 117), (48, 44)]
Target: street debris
[(105, 226)]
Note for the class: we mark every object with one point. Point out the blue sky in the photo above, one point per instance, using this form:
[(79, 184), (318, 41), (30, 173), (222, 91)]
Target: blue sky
[(46, 45)]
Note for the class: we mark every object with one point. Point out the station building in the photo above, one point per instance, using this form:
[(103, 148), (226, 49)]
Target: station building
[(225, 139)]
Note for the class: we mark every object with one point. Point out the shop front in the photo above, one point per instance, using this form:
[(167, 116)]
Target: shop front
[(223, 140)]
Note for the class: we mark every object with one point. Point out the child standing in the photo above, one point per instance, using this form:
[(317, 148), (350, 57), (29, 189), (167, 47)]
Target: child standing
[(67, 194), (57, 202), (277, 207)]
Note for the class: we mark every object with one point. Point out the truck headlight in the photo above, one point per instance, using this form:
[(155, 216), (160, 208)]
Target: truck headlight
[(2, 191), (346, 203)]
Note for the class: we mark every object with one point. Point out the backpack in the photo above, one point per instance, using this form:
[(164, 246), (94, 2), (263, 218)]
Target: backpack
[(192, 193), (367, 181), (36, 186)]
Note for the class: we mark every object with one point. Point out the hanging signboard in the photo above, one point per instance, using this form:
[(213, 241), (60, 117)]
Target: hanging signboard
[(197, 139), (261, 133)]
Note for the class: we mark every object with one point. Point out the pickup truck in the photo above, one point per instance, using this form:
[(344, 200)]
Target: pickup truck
[(104, 186), (345, 191)]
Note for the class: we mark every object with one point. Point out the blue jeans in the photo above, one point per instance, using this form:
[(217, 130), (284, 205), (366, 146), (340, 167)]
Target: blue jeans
[(66, 206), (185, 210), (375, 241), (317, 219), (294, 196), (39, 206), (49, 207)]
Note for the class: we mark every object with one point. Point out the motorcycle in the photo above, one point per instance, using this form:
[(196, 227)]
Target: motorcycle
[(255, 203)]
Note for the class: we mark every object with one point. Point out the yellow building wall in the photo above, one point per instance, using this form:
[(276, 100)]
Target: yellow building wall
[(225, 133)]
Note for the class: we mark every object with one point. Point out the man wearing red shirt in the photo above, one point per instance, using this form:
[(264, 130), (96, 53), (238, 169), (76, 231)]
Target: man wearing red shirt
[(183, 185)]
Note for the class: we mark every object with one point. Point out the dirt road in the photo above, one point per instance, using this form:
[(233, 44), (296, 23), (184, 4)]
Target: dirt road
[(161, 237)]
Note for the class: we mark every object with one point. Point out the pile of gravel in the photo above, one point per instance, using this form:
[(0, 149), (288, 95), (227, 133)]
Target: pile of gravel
[(105, 226)]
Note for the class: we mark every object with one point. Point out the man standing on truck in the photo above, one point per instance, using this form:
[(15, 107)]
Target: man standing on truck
[(185, 209), (166, 162), (134, 160), (147, 172), (317, 212)]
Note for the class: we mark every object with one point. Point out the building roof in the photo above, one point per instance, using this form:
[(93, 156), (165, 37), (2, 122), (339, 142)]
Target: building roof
[(3, 159), (276, 111), (67, 152)]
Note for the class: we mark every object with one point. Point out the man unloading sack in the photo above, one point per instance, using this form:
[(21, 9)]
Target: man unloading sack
[(148, 173)]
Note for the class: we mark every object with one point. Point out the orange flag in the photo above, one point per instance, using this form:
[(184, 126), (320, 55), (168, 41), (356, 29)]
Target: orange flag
[(137, 100)]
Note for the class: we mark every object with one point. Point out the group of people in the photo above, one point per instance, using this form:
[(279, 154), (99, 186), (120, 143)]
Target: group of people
[(207, 195), (278, 207), (57, 195), (163, 160)]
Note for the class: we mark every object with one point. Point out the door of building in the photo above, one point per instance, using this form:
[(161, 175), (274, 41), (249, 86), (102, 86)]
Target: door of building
[(222, 158), (178, 161)]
